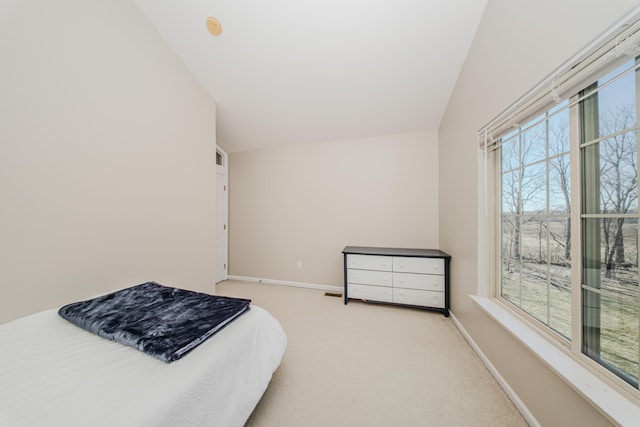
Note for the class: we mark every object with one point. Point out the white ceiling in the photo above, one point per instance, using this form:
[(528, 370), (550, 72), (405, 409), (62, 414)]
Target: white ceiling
[(287, 72)]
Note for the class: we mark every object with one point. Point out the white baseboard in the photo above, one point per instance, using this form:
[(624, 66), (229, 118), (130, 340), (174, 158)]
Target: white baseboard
[(519, 404), (329, 288)]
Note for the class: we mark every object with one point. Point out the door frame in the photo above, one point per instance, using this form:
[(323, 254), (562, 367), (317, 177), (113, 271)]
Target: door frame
[(223, 157)]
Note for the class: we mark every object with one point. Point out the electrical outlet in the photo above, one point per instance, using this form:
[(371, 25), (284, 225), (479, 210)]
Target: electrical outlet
[(299, 264)]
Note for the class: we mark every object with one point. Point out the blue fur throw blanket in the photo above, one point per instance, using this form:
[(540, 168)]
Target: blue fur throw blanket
[(161, 321)]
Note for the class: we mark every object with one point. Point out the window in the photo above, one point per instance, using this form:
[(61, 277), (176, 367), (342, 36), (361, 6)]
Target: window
[(566, 207), (536, 216), (609, 222), (536, 219)]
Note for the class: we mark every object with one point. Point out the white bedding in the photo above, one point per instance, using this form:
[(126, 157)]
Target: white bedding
[(53, 373)]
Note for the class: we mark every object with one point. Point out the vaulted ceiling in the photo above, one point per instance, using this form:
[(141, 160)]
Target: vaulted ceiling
[(286, 72)]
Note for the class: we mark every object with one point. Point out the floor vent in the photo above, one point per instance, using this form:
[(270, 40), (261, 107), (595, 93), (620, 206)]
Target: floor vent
[(333, 294)]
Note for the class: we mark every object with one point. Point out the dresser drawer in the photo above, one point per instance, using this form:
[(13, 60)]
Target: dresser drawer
[(417, 297), (369, 262), (373, 293), (427, 282), (370, 277), (418, 265)]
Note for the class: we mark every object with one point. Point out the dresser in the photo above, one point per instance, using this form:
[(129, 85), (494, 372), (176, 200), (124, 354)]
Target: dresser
[(409, 277)]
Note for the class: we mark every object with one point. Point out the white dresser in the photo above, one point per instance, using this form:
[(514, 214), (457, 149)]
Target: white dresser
[(412, 277)]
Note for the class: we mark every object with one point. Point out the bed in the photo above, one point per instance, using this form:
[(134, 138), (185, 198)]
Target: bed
[(54, 373)]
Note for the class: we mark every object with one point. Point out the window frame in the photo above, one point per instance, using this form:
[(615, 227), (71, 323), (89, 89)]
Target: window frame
[(547, 214), (493, 170), (614, 398)]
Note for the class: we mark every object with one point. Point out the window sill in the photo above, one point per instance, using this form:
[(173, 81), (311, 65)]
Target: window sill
[(614, 405)]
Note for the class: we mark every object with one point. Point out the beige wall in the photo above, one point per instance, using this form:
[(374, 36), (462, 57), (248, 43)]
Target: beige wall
[(107, 148), (306, 203), (518, 44)]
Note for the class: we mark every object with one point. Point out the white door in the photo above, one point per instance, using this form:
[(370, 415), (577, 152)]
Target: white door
[(222, 213)]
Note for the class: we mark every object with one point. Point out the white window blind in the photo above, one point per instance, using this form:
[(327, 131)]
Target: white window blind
[(618, 43)]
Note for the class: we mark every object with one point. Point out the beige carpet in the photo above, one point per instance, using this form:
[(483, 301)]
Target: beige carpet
[(371, 365)]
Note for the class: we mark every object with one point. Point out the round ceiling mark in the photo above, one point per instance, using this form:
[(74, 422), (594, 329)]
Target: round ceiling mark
[(214, 26)]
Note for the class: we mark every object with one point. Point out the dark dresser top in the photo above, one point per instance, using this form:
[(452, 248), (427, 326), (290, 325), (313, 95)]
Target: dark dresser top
[(424, 253)]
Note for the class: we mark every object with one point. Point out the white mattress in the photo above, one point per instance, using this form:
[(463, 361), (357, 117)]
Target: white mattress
[(55, 374)]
